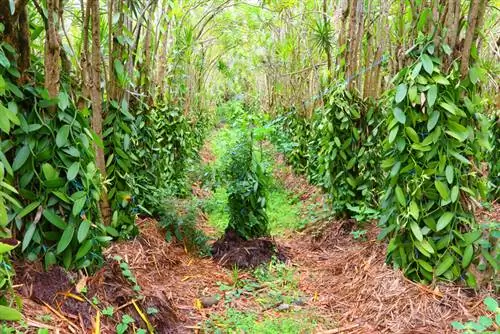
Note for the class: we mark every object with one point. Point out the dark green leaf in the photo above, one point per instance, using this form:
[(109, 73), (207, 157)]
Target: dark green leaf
[(83, 230), (66, 238), (28, 209), (21, 157), (467, 258), (54, 219), (28, 235)]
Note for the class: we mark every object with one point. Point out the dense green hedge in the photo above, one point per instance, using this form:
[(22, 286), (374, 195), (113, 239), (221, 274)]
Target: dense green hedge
[(339, 148)]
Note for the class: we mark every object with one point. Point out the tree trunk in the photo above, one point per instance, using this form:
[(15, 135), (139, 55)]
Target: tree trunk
[(96, 99), (469, 35), (52, 49), (16, 33)]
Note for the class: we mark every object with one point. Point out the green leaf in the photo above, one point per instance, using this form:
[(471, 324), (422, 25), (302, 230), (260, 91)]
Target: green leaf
[(449, 174), (444, 220), (427, 63), (425, 265), (445, 264), (28, 209), (467, 258), (416, 231), (470, 237), (83, 230), (73, 171), (84, 249), (63, 101), (414, 210), (432, 95), (9, 314), (454, 194), (399, 115), (401, 91), (78, 206), (416, 70), (28, 235), (62, 136), (54, 219), (66, 238), (433, 119), (393, 134), (474, 75), (21, 157), (412, 134), (491, 304), (442, 188), (426, 246), (400, 196)]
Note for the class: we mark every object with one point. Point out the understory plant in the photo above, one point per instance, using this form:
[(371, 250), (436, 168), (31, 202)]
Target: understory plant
[(247, 185), (436, 139)]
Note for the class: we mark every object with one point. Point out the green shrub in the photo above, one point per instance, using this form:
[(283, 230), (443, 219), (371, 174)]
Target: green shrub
[(436, 139), (247, 190), (344, 152)]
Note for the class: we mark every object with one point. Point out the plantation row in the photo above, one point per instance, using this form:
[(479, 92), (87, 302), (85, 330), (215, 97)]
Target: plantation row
[(414, 160), (50, 187)]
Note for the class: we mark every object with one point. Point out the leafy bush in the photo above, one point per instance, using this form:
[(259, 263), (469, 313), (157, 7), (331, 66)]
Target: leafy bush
[(247, 190), (118, 140), (179, 218), (161, 155), (345, 152), (432, 154), (339, 149)]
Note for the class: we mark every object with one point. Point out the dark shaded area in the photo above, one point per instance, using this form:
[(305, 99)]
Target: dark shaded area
[(107, 286), (231, 250)]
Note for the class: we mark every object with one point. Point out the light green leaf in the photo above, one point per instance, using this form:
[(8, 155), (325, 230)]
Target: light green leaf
[(401, 91), (393, 134), (432, 95), (416, 231), (427, 63), (414, 210), (412, 134), (445, 264), (400, 196), (399, 115), (444, 220), (474, 75), (454, 194), (433, 119), (449, 174), (9, 314), (62, 136), (491, 304), (73, 171)]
